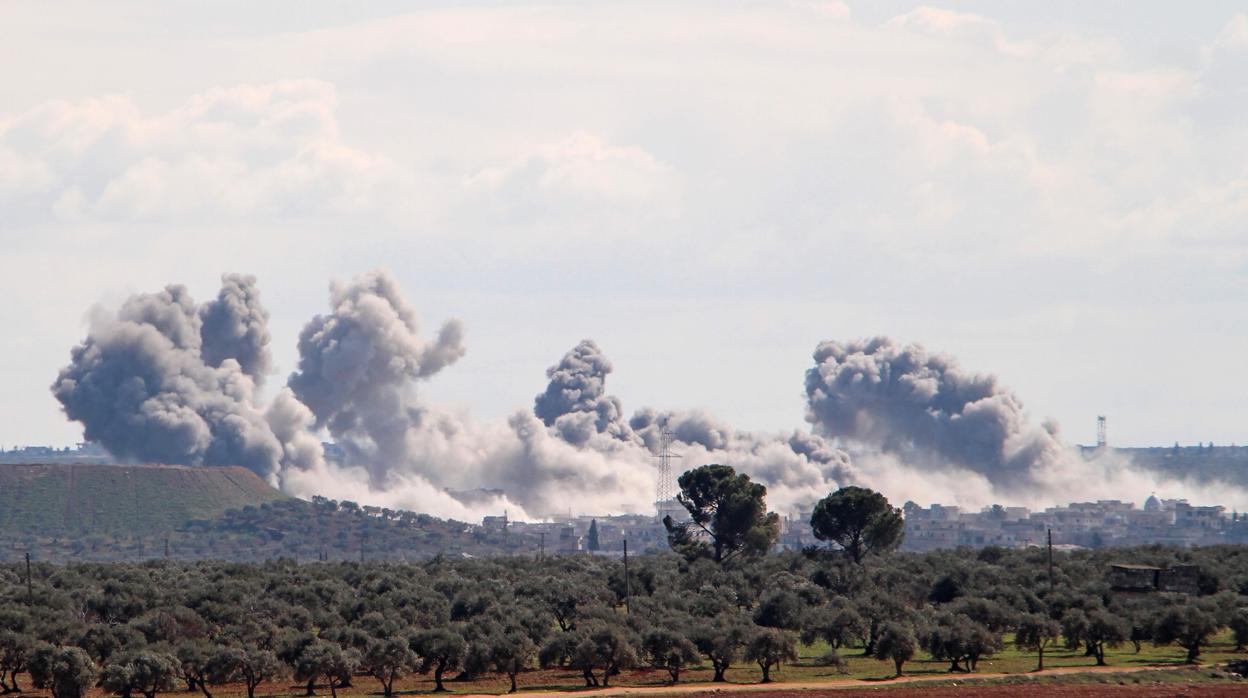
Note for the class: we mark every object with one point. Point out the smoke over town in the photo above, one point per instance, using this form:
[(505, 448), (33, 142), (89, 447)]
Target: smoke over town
[(163, 379)]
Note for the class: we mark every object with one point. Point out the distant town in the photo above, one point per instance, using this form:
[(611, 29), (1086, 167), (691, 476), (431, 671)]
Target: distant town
[(1103, 523)]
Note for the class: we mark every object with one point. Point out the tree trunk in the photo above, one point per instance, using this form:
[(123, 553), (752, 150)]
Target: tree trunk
[(899, 662), (203, 688), (1040, 660), (512, 675), (766, 672), (1192, 653), (311, 687), (251, 688), (437, 679)]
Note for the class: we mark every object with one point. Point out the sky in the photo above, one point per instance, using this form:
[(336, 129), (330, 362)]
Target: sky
[(1053, 193)]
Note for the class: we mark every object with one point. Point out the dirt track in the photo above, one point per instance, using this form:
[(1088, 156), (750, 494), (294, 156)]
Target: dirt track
[(859, 687)]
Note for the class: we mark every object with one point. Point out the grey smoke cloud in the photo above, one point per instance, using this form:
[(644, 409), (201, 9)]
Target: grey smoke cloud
[(907, 401), (164, 379), (575, 402), (235, 325), (142, 388), (358, 365)]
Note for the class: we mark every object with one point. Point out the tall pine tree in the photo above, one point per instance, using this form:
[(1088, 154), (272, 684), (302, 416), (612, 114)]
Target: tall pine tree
[(592, 537)]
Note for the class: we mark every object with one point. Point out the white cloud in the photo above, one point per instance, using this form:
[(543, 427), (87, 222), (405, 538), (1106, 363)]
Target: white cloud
[(250, 150), (888, 172), (578, 175)]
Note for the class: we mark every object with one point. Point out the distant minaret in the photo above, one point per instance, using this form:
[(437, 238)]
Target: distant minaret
[(1101, 441)]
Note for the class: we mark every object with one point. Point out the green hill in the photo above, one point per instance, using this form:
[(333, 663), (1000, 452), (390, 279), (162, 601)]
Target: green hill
[(144, 500)]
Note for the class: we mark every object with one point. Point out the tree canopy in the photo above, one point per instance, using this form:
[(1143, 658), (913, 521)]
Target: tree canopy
[(728, 516), (858, 519)]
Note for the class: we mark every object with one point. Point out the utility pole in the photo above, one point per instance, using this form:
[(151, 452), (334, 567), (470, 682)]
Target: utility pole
[(628, 608), (541, 545), (166, 547), (1050, 559), (30, 585)]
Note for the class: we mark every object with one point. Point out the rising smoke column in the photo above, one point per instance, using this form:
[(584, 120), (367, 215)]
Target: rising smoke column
[(142, 388), (236, 326), (358, 366), (799, 467), (575, 402), (907, 401)]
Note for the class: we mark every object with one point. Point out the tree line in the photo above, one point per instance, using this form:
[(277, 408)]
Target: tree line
[(718, 600)]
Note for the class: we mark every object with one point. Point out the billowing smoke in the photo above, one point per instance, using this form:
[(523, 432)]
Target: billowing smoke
[(924, 406), (236, 326), (358, 366), (575, 403), (143, 388), (166, 380)]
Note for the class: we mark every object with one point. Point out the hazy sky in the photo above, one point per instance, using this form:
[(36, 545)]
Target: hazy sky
[(1053, 192)]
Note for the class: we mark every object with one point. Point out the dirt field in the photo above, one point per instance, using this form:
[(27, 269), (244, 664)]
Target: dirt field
[(1150, 682), (1023, 691)]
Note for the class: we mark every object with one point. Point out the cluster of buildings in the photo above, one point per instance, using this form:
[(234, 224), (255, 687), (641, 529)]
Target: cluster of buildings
[(604, 535), (1084, 524), (1080, 524), (80, 454), (1105, 523)]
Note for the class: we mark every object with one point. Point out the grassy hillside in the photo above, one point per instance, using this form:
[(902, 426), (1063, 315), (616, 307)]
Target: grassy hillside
[(58, 500)]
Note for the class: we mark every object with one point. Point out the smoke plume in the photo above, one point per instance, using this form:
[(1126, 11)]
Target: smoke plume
[(164, 379), (358, 366), (575, 403), (142, 388), (236, 326), (908, 402)]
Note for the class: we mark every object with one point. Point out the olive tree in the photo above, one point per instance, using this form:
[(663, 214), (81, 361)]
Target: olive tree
[(321, 658), (510, 652), (1036, 632), (768, 647), (65, 671), (387, 660), (896, 642), (719, 640), (669, 650), (439, 649), (144, 672), (250, 665), (1104, 629), (1188, 626)]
